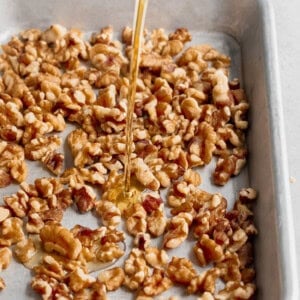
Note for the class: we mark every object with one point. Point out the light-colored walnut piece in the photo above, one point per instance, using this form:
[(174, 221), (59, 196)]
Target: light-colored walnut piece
[(61, 240), (112, 278)]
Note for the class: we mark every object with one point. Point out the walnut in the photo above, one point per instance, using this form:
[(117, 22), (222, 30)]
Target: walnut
[(156, 223), (193, 58), (144, 174), (207, 250), (156, 258), (34, 223), (53, 161), (236, 290), (205, 282), (110, 214), (46, 187), (229, 166), (190, 108), (59, 239), (11, 231), (201, 147), (247, 195), (24, 250), (109, 252), (230, 267), (47, 287), (54, 33), (5, 179), (18, 203), (5, 257), (112, 278), (37, 148), (11, 133), (136, 219), (192, 177), (106, 58), (50, 267), (181, 270), (157, 283), (206, 296), (238, 239), (136, 269), (80, 280), (177, 232), (84, 198), (4, 213)]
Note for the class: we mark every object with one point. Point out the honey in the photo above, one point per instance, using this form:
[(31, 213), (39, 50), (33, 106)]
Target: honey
[(126, 191)]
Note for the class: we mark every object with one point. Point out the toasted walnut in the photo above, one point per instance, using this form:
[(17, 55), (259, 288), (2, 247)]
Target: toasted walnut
[(5, 258), (136, 219), (50, 267), (144, 174), (181, 270), (61, 240), (156, 258), (110, 214), (190, 108), (4, 213), (203, 145), (229, 166), (11, 231), (84, 197), (230, 267), (157, 283), (151, 202), (236, 290), (5, 179), (177, 232), (156, 223), (204, 282), (47, 286), (80, 280), (38, 147), (112, 278), (192, 177), (18, 203), (207, 250), (206, 296), (109, 252), (247, 195), (46, 187), (239, 238), (53, 161), (24, 250), (136, 269)]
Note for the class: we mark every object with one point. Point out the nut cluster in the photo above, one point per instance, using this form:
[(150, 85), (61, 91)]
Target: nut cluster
[(187, 112)]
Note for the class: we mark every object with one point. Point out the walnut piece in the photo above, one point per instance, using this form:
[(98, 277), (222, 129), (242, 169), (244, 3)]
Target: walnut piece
[(112, 278)]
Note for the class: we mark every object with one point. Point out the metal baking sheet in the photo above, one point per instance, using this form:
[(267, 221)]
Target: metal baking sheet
[(245, 31)]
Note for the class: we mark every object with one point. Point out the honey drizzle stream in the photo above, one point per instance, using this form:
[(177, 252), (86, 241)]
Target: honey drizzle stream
[(140, 11)]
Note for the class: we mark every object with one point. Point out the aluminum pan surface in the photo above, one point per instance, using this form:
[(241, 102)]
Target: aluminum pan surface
[(205, 19)]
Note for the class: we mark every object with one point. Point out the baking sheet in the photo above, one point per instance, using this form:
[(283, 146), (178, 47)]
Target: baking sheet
[(249, 40)]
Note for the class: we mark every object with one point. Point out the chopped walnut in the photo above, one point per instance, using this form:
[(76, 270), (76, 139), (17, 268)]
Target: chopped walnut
[(157, 283), (18, 203), (156, 223), (236, 290), (142, 240), (207, 250), (136, 269), (4, 213), (80, 280), (156, 258), (181, 270), (5, 179), (136, 219), (177, 232), (110, 214), (24, 250), (205, 282), (84, 197), (61, 240), (53, 161), (11, 231), (112, 278), (5, 257)]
